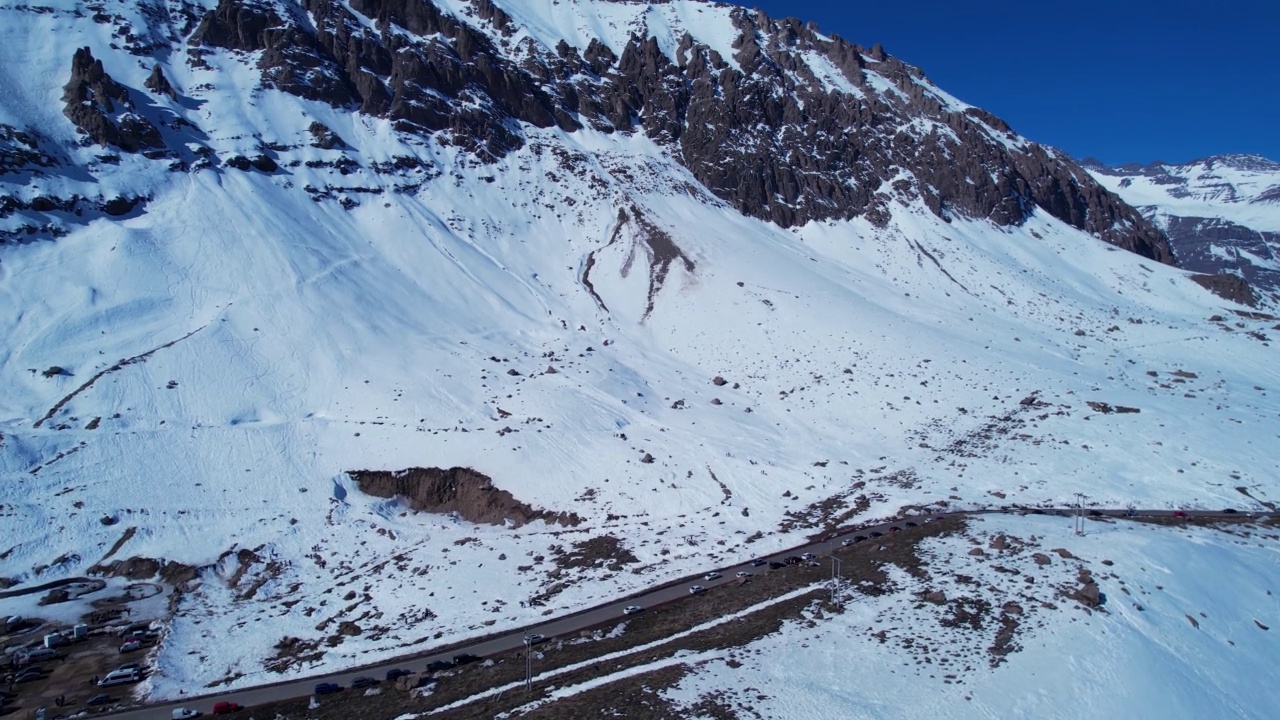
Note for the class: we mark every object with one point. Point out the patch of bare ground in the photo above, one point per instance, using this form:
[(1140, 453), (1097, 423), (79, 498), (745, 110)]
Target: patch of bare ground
[(636, 696), (470, 494)]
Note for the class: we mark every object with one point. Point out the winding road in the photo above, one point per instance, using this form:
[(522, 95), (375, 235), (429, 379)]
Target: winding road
[(673, 591)]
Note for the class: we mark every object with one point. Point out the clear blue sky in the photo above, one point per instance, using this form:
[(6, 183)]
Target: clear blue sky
[(1121, 80)]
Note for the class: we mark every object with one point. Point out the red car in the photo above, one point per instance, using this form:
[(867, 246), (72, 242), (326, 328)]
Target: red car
[(225, 708), (1179, 514)]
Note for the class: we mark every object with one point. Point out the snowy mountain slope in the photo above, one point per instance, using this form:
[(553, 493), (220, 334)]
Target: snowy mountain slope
[(1167, 642), (248, 332), (1222, 213)]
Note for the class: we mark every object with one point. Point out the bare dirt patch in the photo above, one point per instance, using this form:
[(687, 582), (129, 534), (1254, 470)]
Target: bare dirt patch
[(470, 494)]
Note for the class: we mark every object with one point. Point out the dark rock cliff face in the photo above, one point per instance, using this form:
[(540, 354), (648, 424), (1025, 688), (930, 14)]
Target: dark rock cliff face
[(763, 130), (102, 109), (1214, 245)]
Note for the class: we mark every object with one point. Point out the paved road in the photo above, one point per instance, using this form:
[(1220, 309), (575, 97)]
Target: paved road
[(670, 592)]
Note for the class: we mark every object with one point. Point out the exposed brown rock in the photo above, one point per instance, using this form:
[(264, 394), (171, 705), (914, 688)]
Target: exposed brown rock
[(457, 490), (102, 109), (1229, 287), (157, 83)]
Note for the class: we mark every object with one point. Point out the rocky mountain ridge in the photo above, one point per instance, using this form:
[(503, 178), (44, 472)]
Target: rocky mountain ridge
[(1221, 214), (793, 126)]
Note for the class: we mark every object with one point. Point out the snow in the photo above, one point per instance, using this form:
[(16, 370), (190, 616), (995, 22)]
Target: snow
[(310, 340), (1141, 656), (1218, 190)]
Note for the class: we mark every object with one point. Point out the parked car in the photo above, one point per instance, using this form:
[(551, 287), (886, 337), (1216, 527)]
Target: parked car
[(807, 556), (120, 677), (695, 589), (327, 688), (876, 534), (38, 654), (438, 665), (535, 638), (130, 646), (135, 667), (99, 699), (632, 609), (1230, 511), (912, 524), (225, 707), (1179, 514), (397, 673), (184, 713), (859, 538), (363, 681), (711, 576), (31, 673), (758, 562), (744, 574), (847, 542), (464, 658), (774, 565)]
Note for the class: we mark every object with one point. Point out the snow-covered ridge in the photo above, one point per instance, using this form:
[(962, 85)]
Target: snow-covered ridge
[(304, 290)]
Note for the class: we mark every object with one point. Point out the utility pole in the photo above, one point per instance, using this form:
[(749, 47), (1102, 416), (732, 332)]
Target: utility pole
[(528, 663), (1079, 522), (835, 577)]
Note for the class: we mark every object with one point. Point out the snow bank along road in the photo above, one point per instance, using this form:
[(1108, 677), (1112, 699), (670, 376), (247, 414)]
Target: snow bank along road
[(669, 592)]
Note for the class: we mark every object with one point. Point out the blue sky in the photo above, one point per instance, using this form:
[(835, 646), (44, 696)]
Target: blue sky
[(1122, 80)]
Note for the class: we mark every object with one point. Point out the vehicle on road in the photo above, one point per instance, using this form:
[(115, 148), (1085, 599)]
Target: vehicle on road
[(535, 638), (758, 562), (328, 688), (711, 576), (894, 529), (792, 560), (99, 699), (184, 713), (912, 524), (130, 646), (1230, 511), (227, 707), (859, 538), (397, 673), (632, 609), (363, 681), (807, 556), (876, 534), (464, 658), (1179, 514), (438, 665), (774, 565), (695, 589), (847, 542), (744, 574)]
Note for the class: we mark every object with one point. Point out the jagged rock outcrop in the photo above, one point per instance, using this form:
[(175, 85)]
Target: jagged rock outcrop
[(763, 130), (101, 108), (157, 83), (1229, 287)]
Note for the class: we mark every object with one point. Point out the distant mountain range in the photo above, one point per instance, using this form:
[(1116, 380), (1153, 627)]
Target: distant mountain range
[(1221, 213)]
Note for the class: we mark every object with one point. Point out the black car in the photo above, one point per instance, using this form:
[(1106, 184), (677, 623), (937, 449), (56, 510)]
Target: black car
[(876, 533), (859, 538), (910, 524), (396, 673), (328, 688), (774, 565), (100, 699), (438, 665), (757, 562), (362, 682), (464, 658), (792, 560), (1230, 511)]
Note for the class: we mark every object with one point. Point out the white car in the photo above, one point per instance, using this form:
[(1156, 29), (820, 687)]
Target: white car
[(632, 609), (711, 576), (695, 589), (807, 556), (184, 713), (743, 574)]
